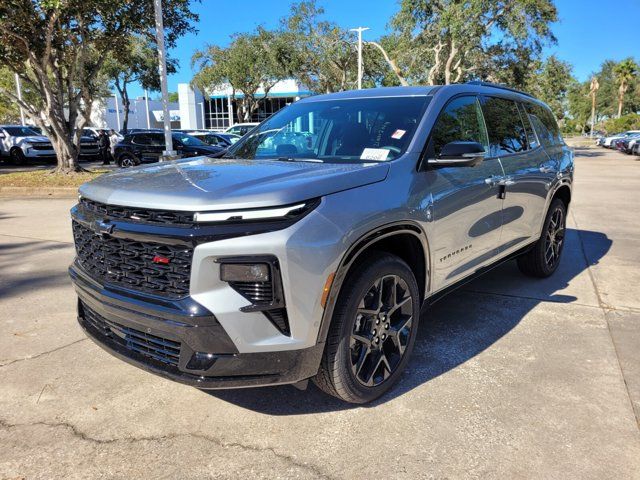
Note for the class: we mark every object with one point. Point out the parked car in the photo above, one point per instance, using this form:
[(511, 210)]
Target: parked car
[(224, 140), (277, 263), (21, 144), (625, 145), (147, 146), (241, 128), (608, 141)]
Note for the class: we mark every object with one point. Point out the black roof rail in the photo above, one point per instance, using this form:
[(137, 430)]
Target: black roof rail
[(498, 85)]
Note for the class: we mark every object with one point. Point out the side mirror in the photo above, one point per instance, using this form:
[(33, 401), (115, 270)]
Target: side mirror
[(459, 154), (1, 135)]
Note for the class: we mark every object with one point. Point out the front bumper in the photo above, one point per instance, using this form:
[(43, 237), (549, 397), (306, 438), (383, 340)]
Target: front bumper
[(140, 330)]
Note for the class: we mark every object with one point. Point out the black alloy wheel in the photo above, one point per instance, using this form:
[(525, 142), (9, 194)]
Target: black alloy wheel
[(381, 330), (544, 256), (554, 238), (17, 157), (373, 329)]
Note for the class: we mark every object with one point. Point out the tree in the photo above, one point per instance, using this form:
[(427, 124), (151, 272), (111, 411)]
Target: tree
[(454, 40), (136, 63), (325, 58), (9, 111), (58, 48), (251, 65), (625, 72), (551, 82)]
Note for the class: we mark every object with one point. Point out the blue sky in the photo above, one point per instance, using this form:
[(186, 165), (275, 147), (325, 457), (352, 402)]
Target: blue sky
[(588, 32)]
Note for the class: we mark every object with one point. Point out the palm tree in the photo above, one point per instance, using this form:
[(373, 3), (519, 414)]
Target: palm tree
[(625, 72)]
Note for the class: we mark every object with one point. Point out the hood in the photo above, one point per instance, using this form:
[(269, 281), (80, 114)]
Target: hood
[(227, 184), (35, 139)]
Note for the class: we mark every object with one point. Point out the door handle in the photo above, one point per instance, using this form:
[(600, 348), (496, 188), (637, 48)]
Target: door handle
[(492, 181), (506, 182)]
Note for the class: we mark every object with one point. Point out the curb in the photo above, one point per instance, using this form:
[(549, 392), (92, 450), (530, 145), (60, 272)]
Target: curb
[(39, 192)]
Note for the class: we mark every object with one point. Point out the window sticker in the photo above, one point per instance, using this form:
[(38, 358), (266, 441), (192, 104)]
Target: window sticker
[(379, 154), (398, 134)]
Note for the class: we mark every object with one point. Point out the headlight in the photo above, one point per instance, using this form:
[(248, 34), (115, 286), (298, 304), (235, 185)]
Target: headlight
[(289, 212)]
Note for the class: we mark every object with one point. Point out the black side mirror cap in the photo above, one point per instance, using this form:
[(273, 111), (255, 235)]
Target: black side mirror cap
[(459, 154)]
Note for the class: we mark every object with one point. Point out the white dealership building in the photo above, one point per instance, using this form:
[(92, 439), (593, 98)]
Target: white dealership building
[(215, 110)]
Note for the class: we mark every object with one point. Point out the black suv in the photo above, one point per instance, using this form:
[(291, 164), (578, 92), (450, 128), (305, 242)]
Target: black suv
[(147, 147)]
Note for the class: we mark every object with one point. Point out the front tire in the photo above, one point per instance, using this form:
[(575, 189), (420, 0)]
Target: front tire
[(17, 157), (128, 161), (543, 259), (373, 330)]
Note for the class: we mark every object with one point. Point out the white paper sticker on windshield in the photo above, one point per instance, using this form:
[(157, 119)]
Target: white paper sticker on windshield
[(398, 134), (379, 154)]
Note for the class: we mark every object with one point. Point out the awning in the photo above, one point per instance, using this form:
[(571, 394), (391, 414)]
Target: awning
[(174, 115)]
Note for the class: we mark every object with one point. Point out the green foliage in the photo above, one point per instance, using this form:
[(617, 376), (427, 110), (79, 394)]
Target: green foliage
[(58, 47), (173, 96), (137, 63), (607, 97), (551, 83), (9, 111), (456, 40), (630, 121), (252, 62)]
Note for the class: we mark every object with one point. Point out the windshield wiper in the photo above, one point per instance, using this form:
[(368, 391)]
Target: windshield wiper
[(292, 159)]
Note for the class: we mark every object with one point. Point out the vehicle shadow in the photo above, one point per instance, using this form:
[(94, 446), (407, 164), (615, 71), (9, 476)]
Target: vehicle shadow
[(452, 331), (589, 152)]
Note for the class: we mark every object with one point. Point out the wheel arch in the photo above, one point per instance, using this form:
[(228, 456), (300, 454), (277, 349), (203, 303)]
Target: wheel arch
[(406, 240)]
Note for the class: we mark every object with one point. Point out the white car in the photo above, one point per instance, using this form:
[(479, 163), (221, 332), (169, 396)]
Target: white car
[(21, 143), (607, 143), (241, 128)]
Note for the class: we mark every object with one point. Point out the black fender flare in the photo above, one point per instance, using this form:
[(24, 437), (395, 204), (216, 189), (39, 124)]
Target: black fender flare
[(354, 251)]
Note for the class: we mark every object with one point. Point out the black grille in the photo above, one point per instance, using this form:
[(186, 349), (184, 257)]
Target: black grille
[(45, 146), (139, 215), (256, 292), (131, 264), (152, 346)]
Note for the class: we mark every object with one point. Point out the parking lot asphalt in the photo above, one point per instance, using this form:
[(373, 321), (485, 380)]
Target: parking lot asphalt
[(511, 377)]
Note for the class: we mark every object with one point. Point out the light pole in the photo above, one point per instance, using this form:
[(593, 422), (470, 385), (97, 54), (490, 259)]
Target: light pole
[(593, 90), (162, 70), (146, 103), (202, 114), (115, 95), (19, 90), (359, 30)]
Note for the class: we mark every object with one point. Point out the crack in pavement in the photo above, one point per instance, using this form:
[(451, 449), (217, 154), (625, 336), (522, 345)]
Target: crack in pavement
[(171, 436), (43, 353), (606, 308)]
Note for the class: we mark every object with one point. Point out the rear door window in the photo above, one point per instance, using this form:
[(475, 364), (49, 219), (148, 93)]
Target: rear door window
[(141, 139), (507, 134), (460, 120)]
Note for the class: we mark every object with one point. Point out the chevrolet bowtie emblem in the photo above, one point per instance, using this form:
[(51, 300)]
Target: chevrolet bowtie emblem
[(102, 227)]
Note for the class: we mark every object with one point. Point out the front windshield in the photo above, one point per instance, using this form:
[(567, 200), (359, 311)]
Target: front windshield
[(20, 131), (350, 130), (189, 140)]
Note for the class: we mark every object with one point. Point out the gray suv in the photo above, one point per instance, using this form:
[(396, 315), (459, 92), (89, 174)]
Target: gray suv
[(310, 247)]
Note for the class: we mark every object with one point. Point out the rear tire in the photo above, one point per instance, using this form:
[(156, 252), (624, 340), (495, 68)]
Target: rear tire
[(543, 259), (373, 330), (17, 157)]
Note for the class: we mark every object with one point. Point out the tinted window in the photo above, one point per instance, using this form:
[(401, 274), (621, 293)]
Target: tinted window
[(506, 131), (141, 139), (156, 139), (545, 125), (188, 140), (20, 131), (461, 120), (345, 130)]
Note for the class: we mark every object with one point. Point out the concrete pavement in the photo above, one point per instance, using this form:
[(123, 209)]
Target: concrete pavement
[(511, 377)]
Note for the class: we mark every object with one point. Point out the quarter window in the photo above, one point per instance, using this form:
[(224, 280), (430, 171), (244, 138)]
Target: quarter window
[(545, 125), (461, 120), (507, 134)]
